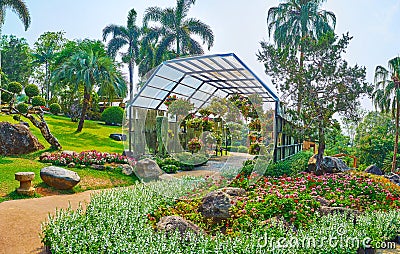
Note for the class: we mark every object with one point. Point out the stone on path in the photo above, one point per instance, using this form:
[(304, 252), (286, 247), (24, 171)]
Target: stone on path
[(59, 178)]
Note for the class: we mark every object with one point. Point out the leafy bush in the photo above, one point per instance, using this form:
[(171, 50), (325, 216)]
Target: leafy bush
[(23, 108), (292, 165), (170, 169), (55, 108), (189, 160), (38, 101), (6, 97), (94, 116), (14, 87), (239, 149), (32, 90), (113, 115)]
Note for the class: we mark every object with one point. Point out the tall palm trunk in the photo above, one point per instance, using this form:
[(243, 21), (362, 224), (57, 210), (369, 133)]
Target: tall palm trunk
[(86, 99), (130, 68), (396, 142)]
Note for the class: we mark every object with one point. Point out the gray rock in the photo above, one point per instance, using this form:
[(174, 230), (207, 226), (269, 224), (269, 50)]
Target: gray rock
[(16, 139), (170, 224), (44, 156), (126, 169), (325, 210), (71, 153), (98, 167), (329, 165), (234, 192), (59, 178), (71, 165), (216, 204), (394, 178), (147, 169), (374, 170)]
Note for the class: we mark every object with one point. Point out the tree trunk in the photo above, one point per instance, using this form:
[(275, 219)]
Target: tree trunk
[(321, 149), (86, 99), (300, 88), (396, 142), (44, 129), (130, 67)]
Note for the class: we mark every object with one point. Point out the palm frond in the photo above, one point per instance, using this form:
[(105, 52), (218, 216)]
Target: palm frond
[(18, 7)]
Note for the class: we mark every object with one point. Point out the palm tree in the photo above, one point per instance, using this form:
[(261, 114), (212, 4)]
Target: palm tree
[(176, 29), (17, 6), (90, 68), (291, 21), (125, 36), (386, 96)]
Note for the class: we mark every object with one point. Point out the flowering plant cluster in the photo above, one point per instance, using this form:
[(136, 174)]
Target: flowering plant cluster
[(85, 158), (194, 145), (294, 201), (170, 99)]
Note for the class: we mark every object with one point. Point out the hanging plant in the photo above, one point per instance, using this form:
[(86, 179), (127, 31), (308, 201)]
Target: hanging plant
[(168, 101), (255, 125), (195, 124)]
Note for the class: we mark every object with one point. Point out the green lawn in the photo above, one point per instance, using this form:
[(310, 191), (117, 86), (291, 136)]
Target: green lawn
[(94, 136)]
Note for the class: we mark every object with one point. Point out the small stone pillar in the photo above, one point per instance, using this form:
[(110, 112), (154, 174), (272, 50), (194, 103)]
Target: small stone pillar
[(25, 180)]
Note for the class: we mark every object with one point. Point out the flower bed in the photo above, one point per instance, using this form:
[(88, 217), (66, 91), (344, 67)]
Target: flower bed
[(116, 221), (84, 158)]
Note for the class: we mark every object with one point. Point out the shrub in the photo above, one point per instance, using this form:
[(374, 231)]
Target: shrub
[(55, 108), (189, 160), (6, 97), (23, 108), (38, 101), (170, 169), (293, 165), (113, 115), (14, 87), (32, 90)]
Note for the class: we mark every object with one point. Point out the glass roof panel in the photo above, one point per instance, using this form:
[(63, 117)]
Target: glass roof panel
[(199, 78)]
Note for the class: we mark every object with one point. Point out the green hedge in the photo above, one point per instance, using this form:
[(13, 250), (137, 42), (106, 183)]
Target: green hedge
[(113, 115)]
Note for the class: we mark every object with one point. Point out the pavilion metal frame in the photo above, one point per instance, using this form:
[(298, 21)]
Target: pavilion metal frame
[(200, 78)]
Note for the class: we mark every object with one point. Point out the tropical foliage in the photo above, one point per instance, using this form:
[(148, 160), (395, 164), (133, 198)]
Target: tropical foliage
[(18, 7), (387, 95), (175, 30), (91, 68), (125, 36)]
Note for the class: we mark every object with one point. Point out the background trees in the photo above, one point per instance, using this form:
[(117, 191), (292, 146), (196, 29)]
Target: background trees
[(330, 85), (125, 36), (89, 68), (15, 59), (175, 30), (387, 95), (294, 20)]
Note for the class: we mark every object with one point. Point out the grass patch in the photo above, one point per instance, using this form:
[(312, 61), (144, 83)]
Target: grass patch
[(94, 136)]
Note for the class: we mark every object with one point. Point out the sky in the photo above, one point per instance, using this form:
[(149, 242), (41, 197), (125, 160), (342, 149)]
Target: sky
[(238, 25)]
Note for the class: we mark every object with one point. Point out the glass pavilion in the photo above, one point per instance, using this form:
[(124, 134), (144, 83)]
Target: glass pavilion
[(200, 79)]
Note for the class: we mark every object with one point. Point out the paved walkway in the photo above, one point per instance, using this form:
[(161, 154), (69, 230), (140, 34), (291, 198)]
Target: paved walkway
[(20, 221)]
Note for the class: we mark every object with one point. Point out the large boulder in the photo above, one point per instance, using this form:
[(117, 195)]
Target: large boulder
[(216, 204), (16, 139), (170, 224), (374, 170), (329, 165), (59, 178), (147, 169)]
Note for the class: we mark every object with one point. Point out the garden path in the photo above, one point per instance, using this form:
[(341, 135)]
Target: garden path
[(20, 221)]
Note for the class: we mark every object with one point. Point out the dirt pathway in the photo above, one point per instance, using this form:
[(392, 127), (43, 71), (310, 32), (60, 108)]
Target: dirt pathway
[(20, 221)]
